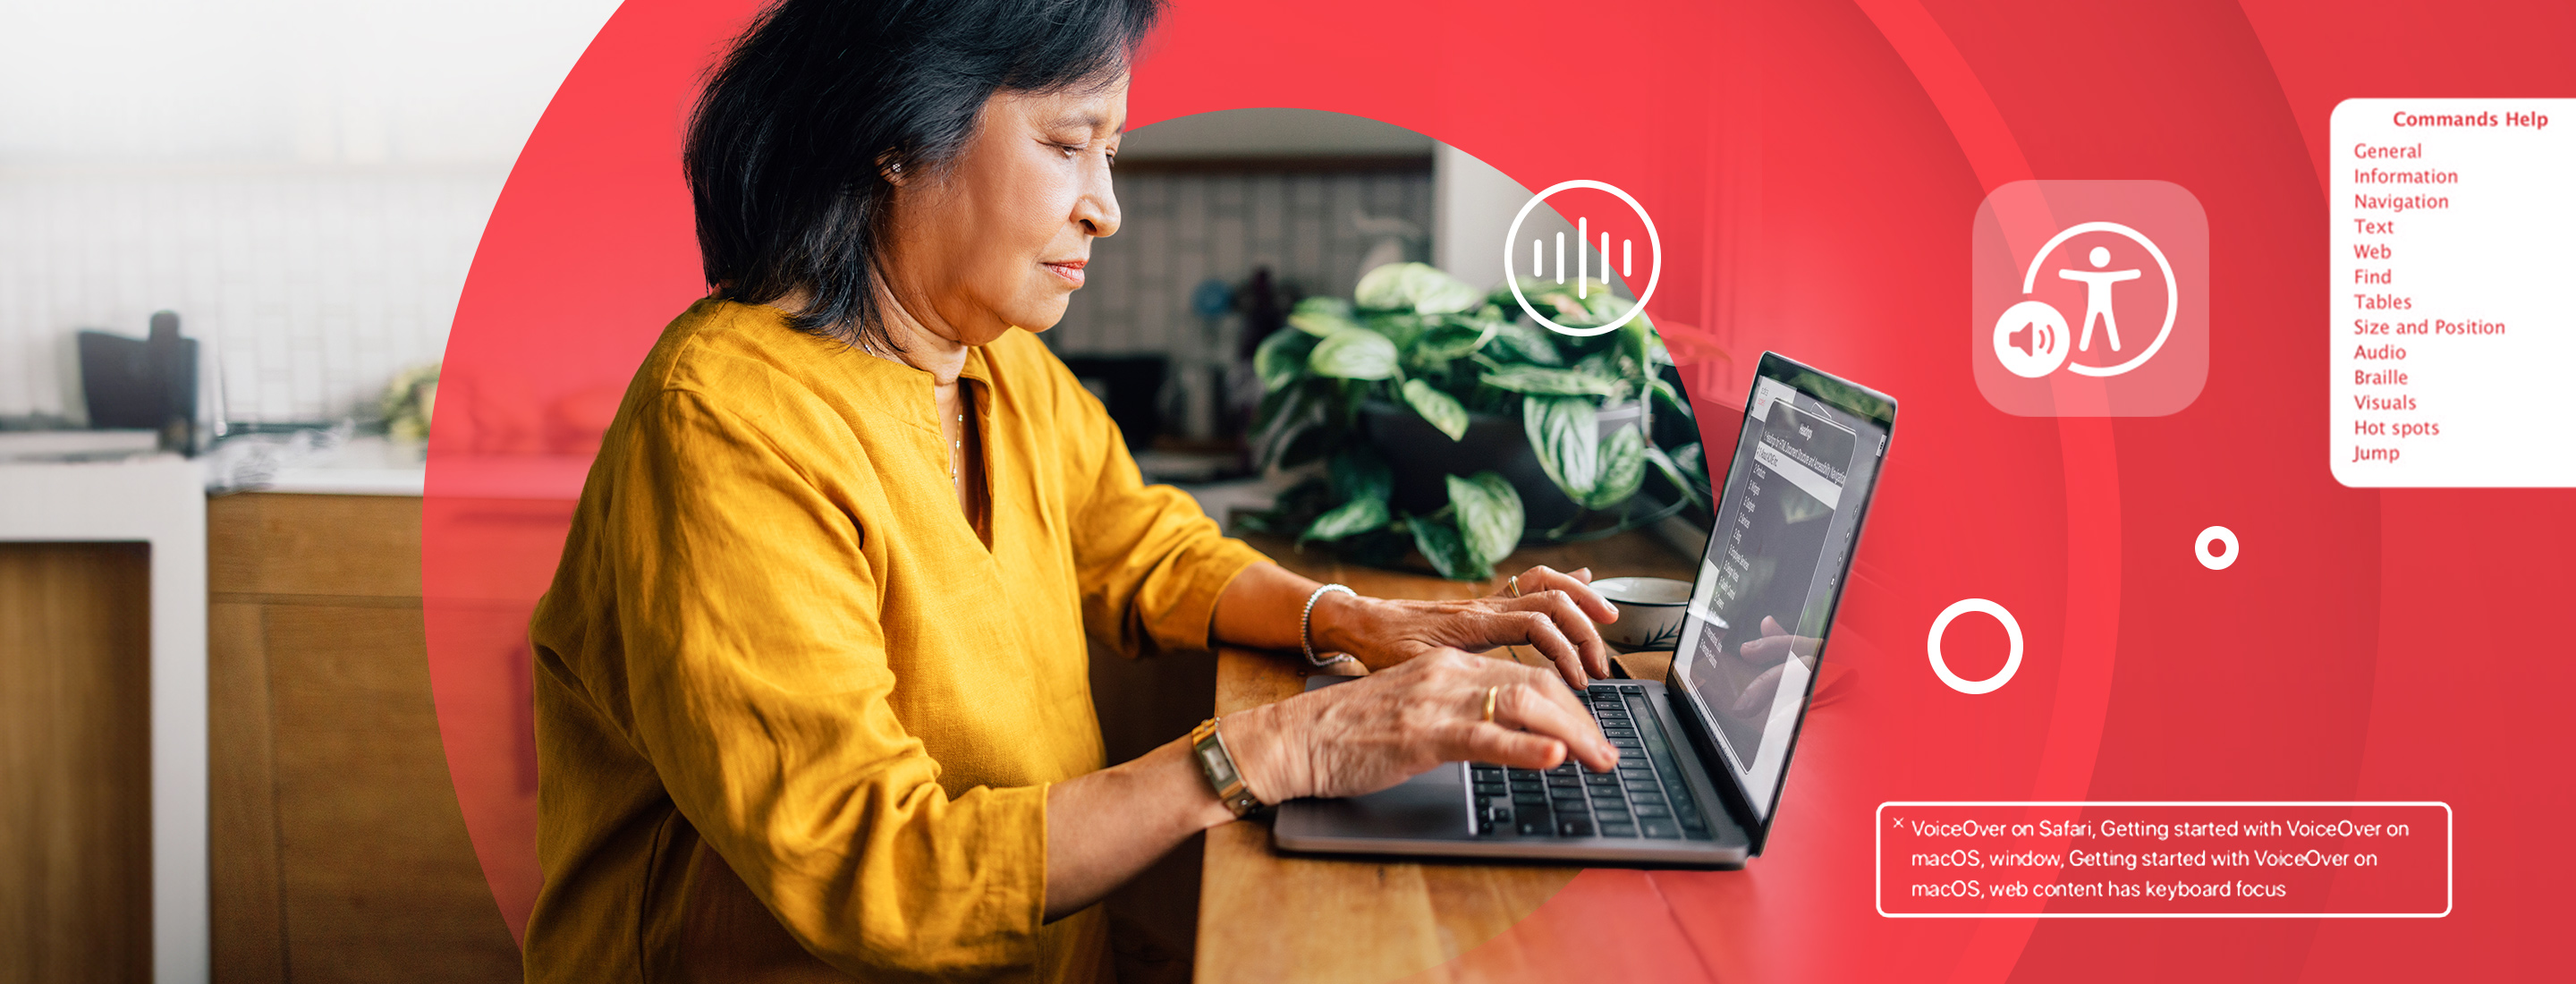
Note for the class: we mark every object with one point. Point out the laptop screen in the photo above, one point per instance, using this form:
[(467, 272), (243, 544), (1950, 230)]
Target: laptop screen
[(1754, 633)]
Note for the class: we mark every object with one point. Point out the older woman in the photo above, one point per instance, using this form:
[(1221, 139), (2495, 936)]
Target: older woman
[(811, 685)]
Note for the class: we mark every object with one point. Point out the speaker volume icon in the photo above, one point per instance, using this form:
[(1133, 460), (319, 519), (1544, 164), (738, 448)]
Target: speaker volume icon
[(2033, 338), (1583, 271), (2030, 339)]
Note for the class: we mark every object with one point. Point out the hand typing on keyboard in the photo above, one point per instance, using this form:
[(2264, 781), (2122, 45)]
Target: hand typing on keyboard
[(1554, 612), (1645, 797), (1376, 731)]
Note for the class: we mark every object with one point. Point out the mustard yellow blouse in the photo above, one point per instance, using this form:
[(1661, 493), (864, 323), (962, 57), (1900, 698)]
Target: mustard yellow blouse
[(791, 706)]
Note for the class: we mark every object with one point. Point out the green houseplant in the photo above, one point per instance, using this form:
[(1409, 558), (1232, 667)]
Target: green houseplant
[(1347, 385)]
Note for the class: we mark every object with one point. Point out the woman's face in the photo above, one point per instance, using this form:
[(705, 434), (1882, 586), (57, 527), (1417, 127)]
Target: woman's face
[(1001, 239)]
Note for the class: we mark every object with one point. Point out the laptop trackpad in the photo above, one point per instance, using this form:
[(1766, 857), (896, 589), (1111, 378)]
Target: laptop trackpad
[(1430, 806)]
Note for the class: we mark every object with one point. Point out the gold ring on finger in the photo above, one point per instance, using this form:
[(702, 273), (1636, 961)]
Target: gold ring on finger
[(1491, 694), (1516, 585)]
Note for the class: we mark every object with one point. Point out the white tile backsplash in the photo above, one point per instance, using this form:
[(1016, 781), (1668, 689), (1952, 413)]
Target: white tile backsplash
[(310, 285), (1181, 227)]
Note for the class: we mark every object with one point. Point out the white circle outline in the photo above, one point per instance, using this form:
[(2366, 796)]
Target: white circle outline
[(2059, 318), (2200, 548), (2030, 280), (2012, 631), (1654, 244)]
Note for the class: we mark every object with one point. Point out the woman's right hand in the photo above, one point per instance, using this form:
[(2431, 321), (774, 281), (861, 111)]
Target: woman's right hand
[(1379, 730)]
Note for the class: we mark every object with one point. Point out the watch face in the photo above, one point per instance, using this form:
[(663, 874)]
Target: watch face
[(1220, 769)]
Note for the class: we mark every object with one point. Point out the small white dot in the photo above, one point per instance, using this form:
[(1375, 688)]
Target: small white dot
[(2101, 257), (2216, 548)]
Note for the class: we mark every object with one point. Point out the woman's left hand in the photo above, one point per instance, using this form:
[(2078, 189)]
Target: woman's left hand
[(1554, 613)]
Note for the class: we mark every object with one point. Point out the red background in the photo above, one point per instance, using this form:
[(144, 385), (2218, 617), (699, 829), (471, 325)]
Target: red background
[(1813, 169)]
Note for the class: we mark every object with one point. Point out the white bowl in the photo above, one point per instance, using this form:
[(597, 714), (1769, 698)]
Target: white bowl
[(1650, 611)]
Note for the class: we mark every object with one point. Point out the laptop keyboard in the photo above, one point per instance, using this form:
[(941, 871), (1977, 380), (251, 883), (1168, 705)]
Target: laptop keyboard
[(1646, 797)]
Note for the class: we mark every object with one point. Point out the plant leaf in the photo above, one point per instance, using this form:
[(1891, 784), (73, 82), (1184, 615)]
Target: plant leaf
[(1606, 304), (1641, 342), (1385, 287), (1417, 287), (1623, 468), (1402, 329), (1542, 381), (1441, 545), (1528, 343), (1293, 433), (1441, 409), (1453, 339), (1353, 354), (1557, 300), (1445, 295), (1672, 397), (1565, 432), (1282, 358), (1489, 515), (1281, 413), (1353, 517), (1694, 461), (1321, 316), (1673, 473)]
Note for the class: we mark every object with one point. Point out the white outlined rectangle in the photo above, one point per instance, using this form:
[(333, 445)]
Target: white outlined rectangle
[(2448, 320), (1878, 859)]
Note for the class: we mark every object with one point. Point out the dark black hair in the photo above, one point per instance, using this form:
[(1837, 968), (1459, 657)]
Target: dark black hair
[(790, 145)]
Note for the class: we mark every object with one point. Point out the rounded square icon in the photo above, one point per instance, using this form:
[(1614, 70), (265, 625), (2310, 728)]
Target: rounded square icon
[(2091, 298)]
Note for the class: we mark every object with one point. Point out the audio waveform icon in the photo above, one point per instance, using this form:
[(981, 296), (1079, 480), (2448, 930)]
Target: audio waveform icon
[(1583, 259)]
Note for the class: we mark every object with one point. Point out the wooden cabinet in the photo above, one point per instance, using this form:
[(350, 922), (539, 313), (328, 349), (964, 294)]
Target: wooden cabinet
[(75, 762), (338, 848)]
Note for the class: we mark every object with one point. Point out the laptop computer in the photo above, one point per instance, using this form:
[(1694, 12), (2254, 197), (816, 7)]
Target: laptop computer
[(1702, 758)]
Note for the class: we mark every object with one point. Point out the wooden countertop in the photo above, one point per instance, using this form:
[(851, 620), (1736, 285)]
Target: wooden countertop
[(1268, 917)]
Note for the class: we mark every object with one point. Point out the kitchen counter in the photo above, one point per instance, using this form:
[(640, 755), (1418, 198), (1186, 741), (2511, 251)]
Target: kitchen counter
[(376, 466), (359, 466)]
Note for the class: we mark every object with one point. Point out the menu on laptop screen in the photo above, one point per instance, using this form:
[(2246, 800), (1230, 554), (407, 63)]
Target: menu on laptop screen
[(1776, 558)]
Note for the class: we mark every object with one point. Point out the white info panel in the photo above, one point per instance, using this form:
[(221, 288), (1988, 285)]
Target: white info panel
[(2451, 290)]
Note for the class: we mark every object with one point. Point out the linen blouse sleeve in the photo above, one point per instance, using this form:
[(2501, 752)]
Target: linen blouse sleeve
[(756, 684), (1151, 562)]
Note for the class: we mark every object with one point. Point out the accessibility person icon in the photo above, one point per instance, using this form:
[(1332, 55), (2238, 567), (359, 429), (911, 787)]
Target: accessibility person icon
[(2029, 339), (2097, 297), (2088, 298)]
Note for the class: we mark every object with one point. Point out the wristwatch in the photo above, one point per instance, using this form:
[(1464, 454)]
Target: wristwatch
[(1217, 765)]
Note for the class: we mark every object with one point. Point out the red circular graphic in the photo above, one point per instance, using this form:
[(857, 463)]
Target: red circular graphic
[(1812, 170)]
